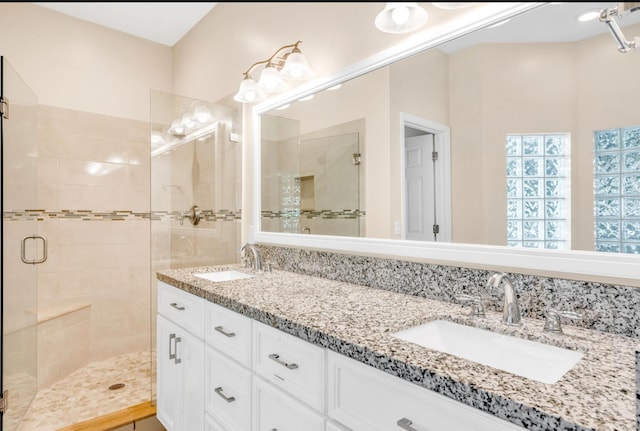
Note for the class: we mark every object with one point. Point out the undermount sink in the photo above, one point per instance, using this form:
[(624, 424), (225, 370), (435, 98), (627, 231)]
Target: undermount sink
[(219, 276), (534, 360)]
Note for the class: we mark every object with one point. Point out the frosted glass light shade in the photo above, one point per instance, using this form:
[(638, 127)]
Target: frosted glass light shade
[(401, 18), (296, 67), (248, 92), (270, 80)]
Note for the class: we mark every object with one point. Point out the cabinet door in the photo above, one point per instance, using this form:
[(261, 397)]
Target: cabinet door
[(227, 391), (290, 363), (366, 399), (229, 332), (180, 387), (275, 410), (168, 378)]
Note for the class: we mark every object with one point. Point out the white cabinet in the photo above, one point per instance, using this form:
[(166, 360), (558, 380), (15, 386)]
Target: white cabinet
[(275, 410), (180, 388), (366, 399), (180, 359), (228, 391), (221, 371), (294, 365), (229, 332)]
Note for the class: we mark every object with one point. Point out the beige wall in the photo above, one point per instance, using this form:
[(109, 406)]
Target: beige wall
[(77, 65), (535, 88), (334, 36)]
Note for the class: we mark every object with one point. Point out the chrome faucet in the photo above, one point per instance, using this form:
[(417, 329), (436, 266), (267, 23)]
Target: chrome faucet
[(256, 255), (511, 312)]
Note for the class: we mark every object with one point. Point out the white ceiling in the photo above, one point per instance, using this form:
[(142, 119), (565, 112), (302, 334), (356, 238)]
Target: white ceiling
[(167, 23), (164, 23)]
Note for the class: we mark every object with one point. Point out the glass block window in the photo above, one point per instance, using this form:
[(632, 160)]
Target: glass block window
[(617, 190), (538, 191)]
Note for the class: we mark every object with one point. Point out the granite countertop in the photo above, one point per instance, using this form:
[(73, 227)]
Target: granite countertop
[(599, 393)]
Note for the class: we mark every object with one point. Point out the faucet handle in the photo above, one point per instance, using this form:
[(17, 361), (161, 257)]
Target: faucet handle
[(553, 321), (477, 304)]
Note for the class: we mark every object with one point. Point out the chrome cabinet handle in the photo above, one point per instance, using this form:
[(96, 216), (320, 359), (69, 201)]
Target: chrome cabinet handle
[(177, 360), (221, 330), (23, 250), (172, 337), (218, 391), (176, 306), (276, 357), (405, 424)]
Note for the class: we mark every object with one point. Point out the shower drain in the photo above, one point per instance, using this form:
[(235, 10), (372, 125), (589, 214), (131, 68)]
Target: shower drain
[(116, 386)]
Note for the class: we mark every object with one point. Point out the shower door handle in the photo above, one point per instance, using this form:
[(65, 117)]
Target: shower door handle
[(23, 249)]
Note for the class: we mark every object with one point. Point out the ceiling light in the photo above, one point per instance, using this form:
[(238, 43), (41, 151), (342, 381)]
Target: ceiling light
[(286, 63), (589, 15), (401, 18)]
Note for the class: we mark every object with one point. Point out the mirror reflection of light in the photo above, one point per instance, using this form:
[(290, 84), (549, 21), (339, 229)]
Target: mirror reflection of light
[(309, 97), (589, 15), (400, 15), (283, 107), (335, 87)]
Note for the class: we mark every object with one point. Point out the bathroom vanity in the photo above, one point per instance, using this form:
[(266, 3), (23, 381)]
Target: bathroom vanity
[(280, 350)]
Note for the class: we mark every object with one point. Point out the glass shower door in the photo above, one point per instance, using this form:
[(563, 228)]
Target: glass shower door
[(22, 248)]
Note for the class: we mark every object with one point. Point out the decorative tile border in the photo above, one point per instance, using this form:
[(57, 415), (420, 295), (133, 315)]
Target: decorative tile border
[(312, 214), (604, 307), (89, 215)]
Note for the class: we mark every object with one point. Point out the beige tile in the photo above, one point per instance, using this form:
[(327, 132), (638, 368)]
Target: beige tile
[(149, 424)]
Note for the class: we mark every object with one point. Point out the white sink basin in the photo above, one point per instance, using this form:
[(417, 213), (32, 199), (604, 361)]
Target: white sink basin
[(219, 276), (530, 359)]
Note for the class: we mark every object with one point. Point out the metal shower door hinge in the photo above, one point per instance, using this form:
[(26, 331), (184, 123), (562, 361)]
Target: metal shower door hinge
[(4, 402), (436, 229), (434, 156), (4, 107)]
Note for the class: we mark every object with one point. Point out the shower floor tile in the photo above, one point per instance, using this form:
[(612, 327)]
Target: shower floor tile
[(85, 393)]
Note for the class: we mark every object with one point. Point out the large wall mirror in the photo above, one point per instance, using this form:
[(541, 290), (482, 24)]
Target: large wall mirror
[(519, 141)]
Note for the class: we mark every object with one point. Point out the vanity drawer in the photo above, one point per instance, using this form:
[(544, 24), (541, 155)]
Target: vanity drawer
[(275, 410), (182, 308), (290, 363), (366, 399), (227, 391), (229, 332)]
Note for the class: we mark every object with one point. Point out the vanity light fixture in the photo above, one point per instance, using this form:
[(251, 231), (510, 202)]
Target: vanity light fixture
[(287, 63), (401, 18)]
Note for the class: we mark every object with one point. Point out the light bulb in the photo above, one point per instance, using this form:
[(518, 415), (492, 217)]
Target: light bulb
[(400, 14)]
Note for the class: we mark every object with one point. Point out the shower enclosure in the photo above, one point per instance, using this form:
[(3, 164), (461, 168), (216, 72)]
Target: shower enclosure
[(195, 185), (22, 247)]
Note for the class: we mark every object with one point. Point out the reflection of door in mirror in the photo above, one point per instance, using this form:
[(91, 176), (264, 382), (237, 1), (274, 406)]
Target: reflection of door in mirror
[(311, 182), (420, 185)]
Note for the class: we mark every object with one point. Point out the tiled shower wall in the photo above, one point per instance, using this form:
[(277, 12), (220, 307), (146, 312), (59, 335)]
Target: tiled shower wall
[(604, 307), (93, 199)]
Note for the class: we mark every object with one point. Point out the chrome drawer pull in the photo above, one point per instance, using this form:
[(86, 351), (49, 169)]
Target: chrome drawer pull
[(176, 306), (405, 424), (218, 391), (177, 360), (221, 330), (276, 357), (171, 338)]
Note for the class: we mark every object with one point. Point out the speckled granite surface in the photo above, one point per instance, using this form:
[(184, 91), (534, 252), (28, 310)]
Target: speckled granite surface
[(357, 321), (604, 307)]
